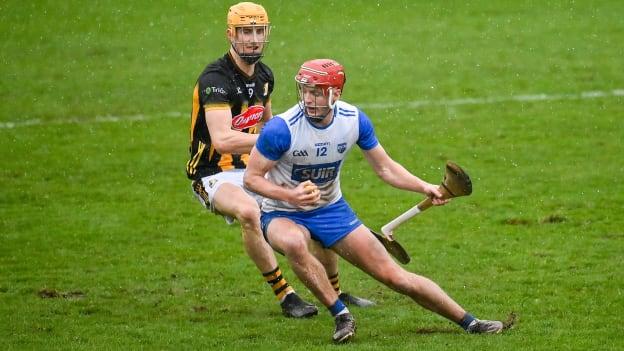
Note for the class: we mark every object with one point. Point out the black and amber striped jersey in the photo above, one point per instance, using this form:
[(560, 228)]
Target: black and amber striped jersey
[(221, 86)]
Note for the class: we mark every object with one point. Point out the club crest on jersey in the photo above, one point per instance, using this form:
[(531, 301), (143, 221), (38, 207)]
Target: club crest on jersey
[(317, 174), (249, 118), (342, 147)]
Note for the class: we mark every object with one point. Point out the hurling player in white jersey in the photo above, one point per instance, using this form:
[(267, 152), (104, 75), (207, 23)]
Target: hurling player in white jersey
[(301, 153), (231, 101)]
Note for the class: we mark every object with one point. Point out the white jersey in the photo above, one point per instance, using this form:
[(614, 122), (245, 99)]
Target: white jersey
[(308, 152)]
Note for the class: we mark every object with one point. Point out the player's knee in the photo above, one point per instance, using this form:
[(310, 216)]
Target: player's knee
[(248, 215), (296, 246), (397, 280)]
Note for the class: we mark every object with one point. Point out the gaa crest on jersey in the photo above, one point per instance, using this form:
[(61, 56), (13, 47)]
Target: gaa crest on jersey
[(249, 118), (300, 153), (342, 147)]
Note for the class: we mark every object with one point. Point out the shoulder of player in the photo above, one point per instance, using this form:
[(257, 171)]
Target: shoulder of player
[(215, 72), (264, 68), (291, 116), (219, 68), (277, 127), (346, 110), (216, 77), (263, 71)]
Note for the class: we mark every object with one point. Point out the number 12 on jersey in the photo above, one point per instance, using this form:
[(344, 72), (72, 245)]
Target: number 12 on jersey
[(321, 151)]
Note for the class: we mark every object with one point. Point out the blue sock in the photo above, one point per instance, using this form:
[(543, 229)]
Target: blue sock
[(336, 308), (466, 320)]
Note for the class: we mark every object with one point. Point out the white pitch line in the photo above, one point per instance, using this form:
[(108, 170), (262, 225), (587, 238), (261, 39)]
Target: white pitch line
[(96, 119), (493, 100), (373, 105)]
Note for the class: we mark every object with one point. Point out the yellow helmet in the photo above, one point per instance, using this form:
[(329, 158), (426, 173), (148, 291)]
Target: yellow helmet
[(247, 14), (253, 16)]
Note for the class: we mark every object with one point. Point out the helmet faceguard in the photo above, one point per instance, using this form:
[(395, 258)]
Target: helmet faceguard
[(248, 30), (319, 84)]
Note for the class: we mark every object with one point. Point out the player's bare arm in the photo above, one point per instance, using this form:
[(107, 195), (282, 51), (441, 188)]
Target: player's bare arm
[(266, 116), (305, 194), (396, 175), (268, 113), (224, 139)]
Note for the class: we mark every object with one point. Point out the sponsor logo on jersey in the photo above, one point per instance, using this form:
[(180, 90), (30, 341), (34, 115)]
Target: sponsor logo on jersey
[(318, 174), (210, 90), (342, 147), (249, 118), (300, 153)]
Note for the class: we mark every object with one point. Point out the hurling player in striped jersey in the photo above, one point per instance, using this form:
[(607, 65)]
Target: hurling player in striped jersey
[(296, 165), (231, 101)]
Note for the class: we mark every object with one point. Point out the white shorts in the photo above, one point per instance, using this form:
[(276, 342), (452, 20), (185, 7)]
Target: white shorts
[(205, 189)]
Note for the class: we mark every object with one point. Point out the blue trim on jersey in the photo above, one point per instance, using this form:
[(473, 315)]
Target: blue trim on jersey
[(296, 118), (346, 113), (274, 139), (299, 114), (367, 138), (327, 224)]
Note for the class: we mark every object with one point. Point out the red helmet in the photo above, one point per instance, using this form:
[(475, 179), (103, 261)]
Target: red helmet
[(324, 72), (324, 75)]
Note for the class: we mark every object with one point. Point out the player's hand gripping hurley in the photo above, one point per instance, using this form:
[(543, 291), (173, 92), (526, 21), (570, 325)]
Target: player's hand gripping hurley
[(456, 183)]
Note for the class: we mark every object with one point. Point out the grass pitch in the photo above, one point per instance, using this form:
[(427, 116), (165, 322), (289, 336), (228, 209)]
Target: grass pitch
[(102, 245)]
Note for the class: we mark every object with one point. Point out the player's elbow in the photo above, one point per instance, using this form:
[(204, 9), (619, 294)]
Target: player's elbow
[(221, 146), (383, 172), (248, 181), (387, 170)]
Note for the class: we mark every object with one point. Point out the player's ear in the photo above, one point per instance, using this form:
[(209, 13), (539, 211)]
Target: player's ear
[(337, 93), (229, 34)]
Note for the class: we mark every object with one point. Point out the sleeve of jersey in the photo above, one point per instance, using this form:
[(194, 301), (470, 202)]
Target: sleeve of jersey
[(274, 139), (367, 138), (271, 81), (213, 91)]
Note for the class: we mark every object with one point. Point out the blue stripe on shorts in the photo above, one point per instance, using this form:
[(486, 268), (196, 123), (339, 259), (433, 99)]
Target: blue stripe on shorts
[(327, 224)]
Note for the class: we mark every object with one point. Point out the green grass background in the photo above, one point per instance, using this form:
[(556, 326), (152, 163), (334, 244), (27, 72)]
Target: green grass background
[(101, 213)]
